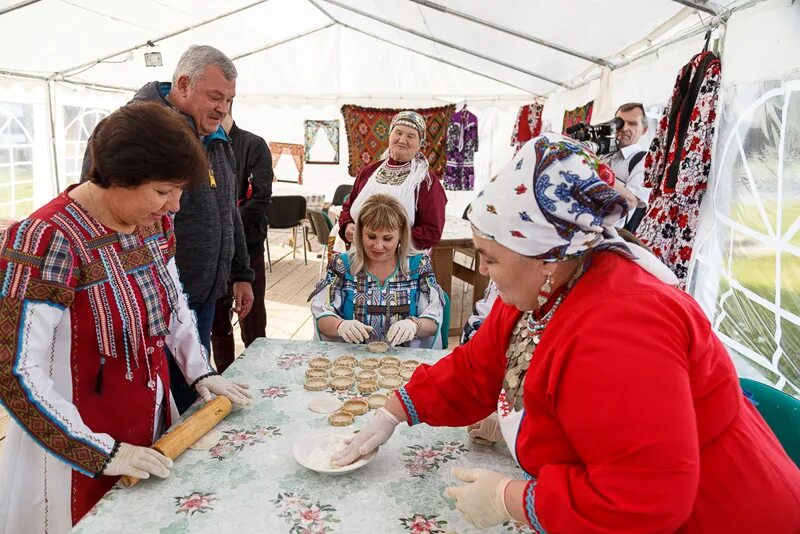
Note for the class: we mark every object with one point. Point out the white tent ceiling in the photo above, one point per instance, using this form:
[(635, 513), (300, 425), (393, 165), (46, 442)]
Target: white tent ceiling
[(334, 47)]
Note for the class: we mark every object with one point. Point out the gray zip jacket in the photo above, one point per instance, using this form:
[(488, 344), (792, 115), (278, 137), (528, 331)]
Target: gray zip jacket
[(211, 248)]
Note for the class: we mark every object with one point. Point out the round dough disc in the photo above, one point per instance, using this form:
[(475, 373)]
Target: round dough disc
[(208, 440), (324, 404)]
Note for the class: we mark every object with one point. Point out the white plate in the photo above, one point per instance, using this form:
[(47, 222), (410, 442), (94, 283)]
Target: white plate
[(328, 442)]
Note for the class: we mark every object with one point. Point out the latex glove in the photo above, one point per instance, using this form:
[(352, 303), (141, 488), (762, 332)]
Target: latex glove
[(242, 298), (139, 462), (350, 232), (486, 430), (374, 434), (353, 331), (218, 385), (401, 331), (482, 500)]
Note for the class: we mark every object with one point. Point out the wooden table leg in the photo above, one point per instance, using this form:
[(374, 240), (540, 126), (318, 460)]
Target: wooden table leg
[(480, 282), (442, 258)]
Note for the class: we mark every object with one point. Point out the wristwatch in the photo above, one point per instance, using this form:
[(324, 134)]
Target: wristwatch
[(417, 322)]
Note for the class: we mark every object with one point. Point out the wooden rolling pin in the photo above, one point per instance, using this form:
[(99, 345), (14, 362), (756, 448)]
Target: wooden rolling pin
[(184, 435)]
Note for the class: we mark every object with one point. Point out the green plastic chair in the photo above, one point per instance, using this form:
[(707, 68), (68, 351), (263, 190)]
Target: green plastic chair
[(445, 327), (780, 411)]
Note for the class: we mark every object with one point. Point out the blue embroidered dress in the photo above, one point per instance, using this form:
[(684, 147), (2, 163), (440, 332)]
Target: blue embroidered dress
[(364, 298)]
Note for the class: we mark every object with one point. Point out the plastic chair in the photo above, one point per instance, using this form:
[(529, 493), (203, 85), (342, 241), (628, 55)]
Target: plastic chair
[(320, 226), (287, 212), (444, 329), (780, 411), (340, 195)]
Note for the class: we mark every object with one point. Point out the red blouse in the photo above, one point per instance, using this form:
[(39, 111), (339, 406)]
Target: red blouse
[(634, 418), (429, 217)]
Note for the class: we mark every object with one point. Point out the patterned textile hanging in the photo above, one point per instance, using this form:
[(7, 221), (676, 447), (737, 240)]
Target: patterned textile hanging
[(462, 143), (296, 151), (527, 126), (579, 114), (679, 162), (368, 135)]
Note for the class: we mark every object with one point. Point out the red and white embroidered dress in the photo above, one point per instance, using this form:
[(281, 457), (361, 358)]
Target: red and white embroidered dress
[(85, 316)]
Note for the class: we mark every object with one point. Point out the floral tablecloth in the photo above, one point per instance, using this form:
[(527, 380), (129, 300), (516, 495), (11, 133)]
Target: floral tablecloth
[(250, 482)]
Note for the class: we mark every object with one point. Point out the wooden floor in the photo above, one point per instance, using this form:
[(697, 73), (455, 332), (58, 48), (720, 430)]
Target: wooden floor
[(288, 287)]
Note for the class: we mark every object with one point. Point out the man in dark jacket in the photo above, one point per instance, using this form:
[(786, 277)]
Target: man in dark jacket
[(254, 176), (211, 246)]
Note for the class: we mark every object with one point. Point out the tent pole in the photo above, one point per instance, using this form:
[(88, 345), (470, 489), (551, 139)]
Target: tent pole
[(18, 5), (65, 72), (447, 44), (700, 6), (440, 60), (51, 103), (316, 4), (509, 31), (283, 41)]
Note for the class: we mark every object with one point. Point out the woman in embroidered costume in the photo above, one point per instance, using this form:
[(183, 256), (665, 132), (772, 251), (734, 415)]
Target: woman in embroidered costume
[(380, 289), (616, 398), (89, 300), (404, 175)]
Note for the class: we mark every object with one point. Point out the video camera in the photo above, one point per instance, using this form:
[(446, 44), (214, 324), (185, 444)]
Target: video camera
[(599, 138)]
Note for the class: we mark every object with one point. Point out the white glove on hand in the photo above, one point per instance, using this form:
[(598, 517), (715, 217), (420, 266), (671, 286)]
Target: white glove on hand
[(138, 462), (373, 435), (487, 430), (353, 331), (401, 331), (482, 500), (218, 385)]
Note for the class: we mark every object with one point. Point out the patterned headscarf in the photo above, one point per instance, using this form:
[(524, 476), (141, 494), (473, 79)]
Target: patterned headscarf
[(550, 203), (412, 119)]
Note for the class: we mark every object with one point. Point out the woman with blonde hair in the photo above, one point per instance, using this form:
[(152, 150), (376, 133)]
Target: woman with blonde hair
[(382, 289)]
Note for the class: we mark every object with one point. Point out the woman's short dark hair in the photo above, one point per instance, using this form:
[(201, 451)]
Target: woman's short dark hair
[(143, 142)]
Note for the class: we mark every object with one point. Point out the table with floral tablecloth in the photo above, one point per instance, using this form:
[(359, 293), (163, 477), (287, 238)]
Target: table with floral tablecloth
[(250, 482)]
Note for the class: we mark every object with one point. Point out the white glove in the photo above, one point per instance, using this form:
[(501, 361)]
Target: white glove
[(374, 434), (482, 500), (353, 331), (401, 331), (487, 430), (138, 462), (218, 385)]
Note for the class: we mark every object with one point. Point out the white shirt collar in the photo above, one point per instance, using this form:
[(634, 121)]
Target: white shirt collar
[(630, 150)]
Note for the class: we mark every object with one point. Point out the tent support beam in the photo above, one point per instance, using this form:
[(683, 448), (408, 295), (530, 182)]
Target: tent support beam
[(283, 41), (440, 60), (65, 72), (51, 105), (18, 5), (699, 6), (324, 12), (446, 43), (553, 46)]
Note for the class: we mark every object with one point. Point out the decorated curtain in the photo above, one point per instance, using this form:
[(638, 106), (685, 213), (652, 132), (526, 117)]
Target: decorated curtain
[(579, 114), (296, 151), (331, 129), (368, 135)]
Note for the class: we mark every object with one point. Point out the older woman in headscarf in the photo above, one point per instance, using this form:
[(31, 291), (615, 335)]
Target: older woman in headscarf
[(616, 398), (403, 174)]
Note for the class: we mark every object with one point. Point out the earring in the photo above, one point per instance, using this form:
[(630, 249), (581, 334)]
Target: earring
[(544, 291)]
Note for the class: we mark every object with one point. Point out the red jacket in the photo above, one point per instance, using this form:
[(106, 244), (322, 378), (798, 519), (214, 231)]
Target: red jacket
[(634, 417)]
